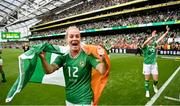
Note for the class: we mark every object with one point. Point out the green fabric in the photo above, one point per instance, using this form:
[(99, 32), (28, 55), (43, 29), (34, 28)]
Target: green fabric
[(28, 66), (38, 75), (146, 85), (77, 73), (3, 76), (149, 52)]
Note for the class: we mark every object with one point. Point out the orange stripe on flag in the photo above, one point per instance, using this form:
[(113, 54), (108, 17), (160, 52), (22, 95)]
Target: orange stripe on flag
[(98, 81)]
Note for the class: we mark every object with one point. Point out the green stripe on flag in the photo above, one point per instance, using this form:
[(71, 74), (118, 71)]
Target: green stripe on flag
[(39, 71)]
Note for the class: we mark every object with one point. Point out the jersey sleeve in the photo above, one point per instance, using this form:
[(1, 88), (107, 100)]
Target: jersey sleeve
[(155, 44), (144, 47), (93, 61), (58, 61)]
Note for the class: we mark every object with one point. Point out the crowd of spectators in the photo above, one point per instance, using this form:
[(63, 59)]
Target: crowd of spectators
[(134, 20), (158, 16), (123, 41), (87, 6), (12, 44), (128, 40)]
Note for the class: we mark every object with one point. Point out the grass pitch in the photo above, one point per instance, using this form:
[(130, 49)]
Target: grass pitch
[(125, 85)]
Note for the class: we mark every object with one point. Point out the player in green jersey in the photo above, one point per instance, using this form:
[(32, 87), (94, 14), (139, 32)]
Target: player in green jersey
[(77, 67), (1, 67), (150, 64)]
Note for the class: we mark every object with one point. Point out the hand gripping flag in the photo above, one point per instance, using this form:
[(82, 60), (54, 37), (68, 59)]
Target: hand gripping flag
[(30, 69)]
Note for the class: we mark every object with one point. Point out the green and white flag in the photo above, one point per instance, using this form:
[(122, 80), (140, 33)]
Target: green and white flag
[(30, 68)]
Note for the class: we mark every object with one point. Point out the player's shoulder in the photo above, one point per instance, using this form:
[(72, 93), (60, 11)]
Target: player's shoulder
[(65, 55), (144, 47), (84, 54)]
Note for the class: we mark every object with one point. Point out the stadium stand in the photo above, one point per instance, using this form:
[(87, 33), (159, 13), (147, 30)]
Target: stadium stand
[(128, 13), (157, 16)]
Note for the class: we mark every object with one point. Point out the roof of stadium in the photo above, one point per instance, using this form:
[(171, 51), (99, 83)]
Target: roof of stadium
[(26, 11)]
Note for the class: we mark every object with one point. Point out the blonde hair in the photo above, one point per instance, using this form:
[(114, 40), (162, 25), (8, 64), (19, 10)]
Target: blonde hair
[(70, 28)]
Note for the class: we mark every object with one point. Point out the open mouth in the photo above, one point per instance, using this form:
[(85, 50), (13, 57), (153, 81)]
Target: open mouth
[(74, 43)]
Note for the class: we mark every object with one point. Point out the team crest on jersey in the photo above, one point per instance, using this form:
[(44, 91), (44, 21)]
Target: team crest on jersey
[(81, 63)]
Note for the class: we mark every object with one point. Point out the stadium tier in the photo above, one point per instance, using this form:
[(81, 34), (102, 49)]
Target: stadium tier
[(124, 23)]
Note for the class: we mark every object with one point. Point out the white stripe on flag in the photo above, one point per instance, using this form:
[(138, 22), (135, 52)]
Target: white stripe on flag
[(64, 49), (53, 57), (56, 77), (23, 56)]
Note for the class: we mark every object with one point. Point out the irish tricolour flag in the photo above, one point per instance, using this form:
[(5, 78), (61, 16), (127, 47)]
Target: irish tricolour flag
[(30, 69)]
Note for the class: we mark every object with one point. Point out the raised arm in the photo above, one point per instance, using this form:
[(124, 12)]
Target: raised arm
[(149, 39), (167, 30), (49, 68), (102, 66)]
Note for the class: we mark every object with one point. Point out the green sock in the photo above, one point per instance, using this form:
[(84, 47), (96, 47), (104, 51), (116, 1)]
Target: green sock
[(146, 85), (155, 83), (3, 76)]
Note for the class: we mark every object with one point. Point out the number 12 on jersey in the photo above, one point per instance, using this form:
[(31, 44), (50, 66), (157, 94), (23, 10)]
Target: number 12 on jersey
[(72, 71)]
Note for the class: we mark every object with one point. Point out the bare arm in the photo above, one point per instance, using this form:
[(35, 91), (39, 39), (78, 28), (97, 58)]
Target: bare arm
[(146, 42), (49, 68), (149, 39), (167, 30), (101, 67)]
